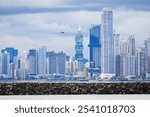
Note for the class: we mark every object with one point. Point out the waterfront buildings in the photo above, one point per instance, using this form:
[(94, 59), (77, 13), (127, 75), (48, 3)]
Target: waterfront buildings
[(56, 62), (110, 57), (72, 67), (125, 58)]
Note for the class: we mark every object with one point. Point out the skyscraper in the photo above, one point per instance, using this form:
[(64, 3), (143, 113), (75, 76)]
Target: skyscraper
[(12, 70), (33, 62), (0, 64), (42, 60), (6, 63), (52, 62), (12, 52), (95, 46), (117, 53), (147, 46), (107, 45), (131, 66), (71, 67), (24, 65), (126, 61), (61, 61), (141, 62), (124, 47), (131, 41), (79, 49), (56, 62)]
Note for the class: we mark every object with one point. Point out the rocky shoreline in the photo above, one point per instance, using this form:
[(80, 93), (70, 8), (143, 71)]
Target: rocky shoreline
[(29, 88)]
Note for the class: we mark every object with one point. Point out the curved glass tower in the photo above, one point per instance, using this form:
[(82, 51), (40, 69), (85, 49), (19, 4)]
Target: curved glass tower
[(79, 50), (79, 46)]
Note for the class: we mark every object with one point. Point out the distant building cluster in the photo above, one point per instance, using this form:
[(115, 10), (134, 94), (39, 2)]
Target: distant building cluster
[(40, 63), (32, 64), (110, 57)]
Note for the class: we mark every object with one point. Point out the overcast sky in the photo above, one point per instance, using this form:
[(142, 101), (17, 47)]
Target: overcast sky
[(34, 23)]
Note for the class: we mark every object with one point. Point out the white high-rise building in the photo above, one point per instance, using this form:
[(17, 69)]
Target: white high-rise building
[(107, 45), (124, 47), (72, 67), (24, 65), (116, 51), (42, 60), (131, 41)]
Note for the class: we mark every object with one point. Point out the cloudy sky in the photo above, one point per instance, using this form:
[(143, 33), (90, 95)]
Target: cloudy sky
[(34, 23)]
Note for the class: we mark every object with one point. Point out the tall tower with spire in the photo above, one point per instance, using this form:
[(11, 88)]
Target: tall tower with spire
[(79, 48)]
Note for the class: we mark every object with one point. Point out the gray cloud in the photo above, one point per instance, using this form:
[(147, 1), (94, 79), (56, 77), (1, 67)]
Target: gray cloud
[(35, 23), (70, 5)]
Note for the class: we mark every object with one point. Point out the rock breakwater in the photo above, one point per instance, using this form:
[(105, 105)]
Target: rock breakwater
[(73, 88)]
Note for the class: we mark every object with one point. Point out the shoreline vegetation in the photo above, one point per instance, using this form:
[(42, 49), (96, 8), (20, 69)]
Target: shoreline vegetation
[(35, 88)]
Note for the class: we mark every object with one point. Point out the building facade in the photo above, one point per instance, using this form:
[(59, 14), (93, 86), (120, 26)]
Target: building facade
[(95, 46), (33, 62), (6, 63), (79, 50), (107, 45), (42, 60)]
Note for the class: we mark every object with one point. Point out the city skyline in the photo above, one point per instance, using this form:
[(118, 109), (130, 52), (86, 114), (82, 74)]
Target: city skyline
[(111, 57), (30, 22)]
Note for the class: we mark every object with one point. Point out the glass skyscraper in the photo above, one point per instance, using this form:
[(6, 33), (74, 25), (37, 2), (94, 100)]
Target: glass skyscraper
[(13, 53), (42, 60), (5, 63), (107, 45), (95, 46), (56, 63), (61, 61), (0, 64), (79, 50), (33, 62), (52, 62)]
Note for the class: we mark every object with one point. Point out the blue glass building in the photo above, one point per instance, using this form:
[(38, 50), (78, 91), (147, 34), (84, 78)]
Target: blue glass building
[(61, 61), (13, 53), (95, 46)]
